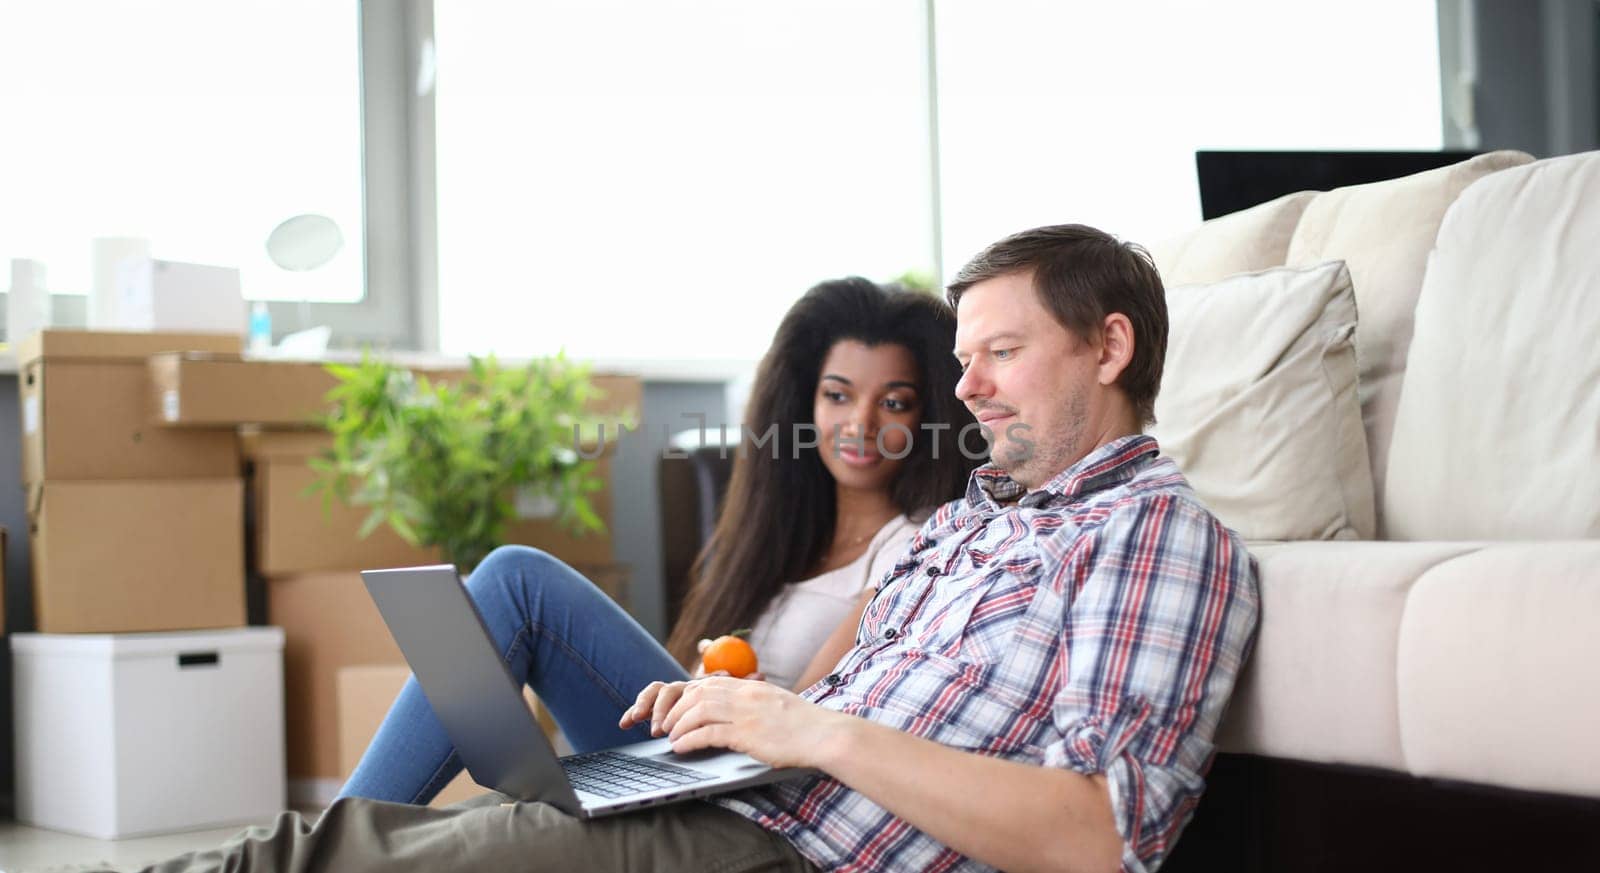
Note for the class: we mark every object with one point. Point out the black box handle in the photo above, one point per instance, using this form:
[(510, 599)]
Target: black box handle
[(198, 659)]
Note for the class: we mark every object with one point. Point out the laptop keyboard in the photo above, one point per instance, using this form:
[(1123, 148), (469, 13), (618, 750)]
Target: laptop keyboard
[(610, 774)]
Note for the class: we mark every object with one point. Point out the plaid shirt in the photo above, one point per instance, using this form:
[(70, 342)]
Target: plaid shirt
[(1095, 625)]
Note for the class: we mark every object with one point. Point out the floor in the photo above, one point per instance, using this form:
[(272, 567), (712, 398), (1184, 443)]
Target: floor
[(25, 849)]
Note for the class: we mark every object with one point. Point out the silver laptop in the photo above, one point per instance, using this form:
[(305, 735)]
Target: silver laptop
[(481, 707)]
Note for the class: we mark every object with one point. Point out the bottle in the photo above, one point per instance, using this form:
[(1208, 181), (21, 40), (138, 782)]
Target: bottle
[(28, 304), (260, 328)]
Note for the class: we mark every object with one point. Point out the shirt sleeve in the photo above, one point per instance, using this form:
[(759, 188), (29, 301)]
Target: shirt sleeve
[(1161, 615)]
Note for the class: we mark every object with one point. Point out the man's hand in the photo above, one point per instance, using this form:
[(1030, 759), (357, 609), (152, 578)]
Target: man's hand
[(762, 720), (653, 703), (1026, 817)]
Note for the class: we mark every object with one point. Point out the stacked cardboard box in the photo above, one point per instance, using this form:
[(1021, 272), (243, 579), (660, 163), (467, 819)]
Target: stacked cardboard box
[(310, 555), (194, 389), (133, 527)]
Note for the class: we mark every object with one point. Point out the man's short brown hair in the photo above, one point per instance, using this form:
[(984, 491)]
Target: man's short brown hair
[(1082, 275)]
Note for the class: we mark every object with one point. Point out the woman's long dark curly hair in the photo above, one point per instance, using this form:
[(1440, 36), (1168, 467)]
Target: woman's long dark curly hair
[(777, 520)]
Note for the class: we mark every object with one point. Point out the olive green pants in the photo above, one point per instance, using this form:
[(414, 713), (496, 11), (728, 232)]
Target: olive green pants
[(483, 834)]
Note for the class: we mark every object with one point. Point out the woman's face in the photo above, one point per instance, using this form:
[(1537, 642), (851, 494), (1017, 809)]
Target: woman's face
[(867, 410)]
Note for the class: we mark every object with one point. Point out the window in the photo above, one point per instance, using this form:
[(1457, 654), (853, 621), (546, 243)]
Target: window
[(663, 180), (194, 124), (1092, 112), (645, 180)]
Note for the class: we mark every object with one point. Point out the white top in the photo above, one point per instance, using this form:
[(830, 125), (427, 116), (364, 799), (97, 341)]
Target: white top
[(798, 621)]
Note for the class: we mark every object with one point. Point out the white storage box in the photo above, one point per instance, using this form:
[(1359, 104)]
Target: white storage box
[(120, 735)]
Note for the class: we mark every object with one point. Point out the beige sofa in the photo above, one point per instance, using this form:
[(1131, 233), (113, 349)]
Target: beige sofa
[(1459, 638)]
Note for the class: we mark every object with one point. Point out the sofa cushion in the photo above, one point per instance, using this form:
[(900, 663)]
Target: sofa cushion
[(1241, 242), (1497, 434), (1384, 231), (1320, 685), (1499, 668), (1258, 403)]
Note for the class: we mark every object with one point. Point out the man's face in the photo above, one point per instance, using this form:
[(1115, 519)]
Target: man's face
[(1034, 384)]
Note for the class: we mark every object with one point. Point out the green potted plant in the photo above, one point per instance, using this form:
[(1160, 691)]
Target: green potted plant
[(442, 462), (918, 280)]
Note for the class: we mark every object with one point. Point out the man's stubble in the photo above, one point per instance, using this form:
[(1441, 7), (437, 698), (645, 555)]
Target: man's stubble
[(1036, 460)]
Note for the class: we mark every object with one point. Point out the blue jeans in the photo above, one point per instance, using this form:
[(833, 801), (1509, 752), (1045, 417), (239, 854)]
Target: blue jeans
[(585, 658)]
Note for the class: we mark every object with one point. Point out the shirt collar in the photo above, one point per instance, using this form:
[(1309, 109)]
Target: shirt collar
[(1107, 466)]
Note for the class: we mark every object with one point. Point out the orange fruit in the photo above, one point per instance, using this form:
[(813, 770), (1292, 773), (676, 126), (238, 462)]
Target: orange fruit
[(732, 654)]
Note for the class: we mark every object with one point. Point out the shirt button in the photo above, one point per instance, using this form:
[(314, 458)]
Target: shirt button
[(890, 633), (833, 679), (934, 571)]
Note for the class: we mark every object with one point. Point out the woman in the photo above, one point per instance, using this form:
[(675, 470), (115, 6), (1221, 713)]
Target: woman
[(835, 471)]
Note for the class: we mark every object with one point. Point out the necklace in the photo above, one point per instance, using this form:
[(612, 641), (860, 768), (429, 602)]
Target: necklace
[(844, 547), (858, 539)]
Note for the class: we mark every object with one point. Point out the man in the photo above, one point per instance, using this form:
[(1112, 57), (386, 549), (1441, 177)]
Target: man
[(1034, 686)]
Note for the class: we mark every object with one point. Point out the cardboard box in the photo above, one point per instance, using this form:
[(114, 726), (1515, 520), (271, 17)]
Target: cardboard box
[(120, 556), (119, 735), (575, 549), (294, 534), (85, 410), (121, 344), (192, 389), (331, 625), (365, 695), (329, 622), (212, 390)]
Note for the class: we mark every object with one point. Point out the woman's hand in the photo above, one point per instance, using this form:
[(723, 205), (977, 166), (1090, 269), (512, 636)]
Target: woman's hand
[(700, 665), (764, 721)]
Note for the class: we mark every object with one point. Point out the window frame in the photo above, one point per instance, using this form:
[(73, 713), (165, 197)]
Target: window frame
[(399, 306)]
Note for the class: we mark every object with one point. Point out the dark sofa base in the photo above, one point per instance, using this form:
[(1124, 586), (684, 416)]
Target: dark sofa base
[(1267, 814)]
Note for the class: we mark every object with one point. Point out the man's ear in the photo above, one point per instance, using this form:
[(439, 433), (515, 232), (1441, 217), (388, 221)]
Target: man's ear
[(1116, 347)]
